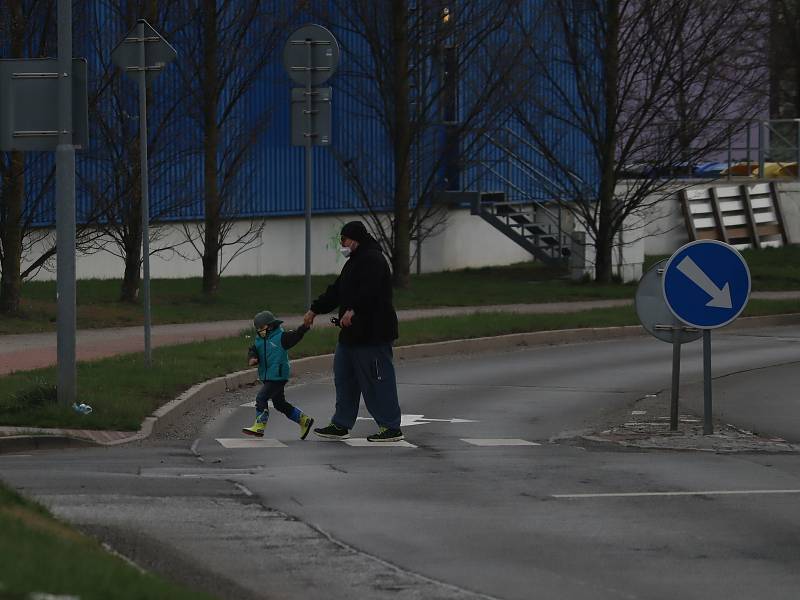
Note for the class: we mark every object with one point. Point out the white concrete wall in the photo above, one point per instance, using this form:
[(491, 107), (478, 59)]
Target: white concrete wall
[(627, 254), (665, 228), (789, 199), (468, 241), (465, 241)]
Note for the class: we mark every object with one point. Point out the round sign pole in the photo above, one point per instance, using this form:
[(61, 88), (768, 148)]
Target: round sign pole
[(656, 318), (676, 382), (708, 424), (310, 57), (706, 284)]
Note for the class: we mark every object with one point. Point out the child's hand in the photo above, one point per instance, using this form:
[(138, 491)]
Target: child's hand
[(253, 362)]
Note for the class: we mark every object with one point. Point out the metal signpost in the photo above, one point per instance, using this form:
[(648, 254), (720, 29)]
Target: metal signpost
[(310, 56), (656, 318), (143, 53), (65, 214), (706, 284), (43, 106)]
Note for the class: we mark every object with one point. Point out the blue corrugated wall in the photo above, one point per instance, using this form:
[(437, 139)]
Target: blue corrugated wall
[(272, 183)]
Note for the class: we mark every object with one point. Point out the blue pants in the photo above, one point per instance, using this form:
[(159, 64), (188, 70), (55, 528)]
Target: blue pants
[(273, 390), (367, 371)]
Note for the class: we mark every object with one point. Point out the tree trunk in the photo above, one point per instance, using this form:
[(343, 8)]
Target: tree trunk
[(402, 141), (13, 197), (604, 242), (133, 263), (12, 192), (132, 242), (210, 147), (606, 227)]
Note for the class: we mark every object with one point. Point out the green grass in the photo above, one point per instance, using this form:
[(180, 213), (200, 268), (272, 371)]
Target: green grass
[(122, 390), (771, 269), (42, 554)]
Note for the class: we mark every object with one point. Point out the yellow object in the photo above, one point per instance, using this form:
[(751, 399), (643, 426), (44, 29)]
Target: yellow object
[(778, 169)]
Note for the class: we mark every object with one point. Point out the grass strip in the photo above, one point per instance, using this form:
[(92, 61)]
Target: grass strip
[(42, 555), (240, 297), (123, 390)]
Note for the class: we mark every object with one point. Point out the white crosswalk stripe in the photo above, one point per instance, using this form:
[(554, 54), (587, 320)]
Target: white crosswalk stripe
[(251, 443), (362, 442), (238, 443), (498, 442)]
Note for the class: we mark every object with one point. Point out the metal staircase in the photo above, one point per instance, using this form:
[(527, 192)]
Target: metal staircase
[(535, 225), (520, 221)]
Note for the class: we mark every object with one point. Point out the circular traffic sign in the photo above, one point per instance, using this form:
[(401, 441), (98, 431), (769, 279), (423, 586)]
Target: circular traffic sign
[(706, 284), (653, 312), (311, 52)]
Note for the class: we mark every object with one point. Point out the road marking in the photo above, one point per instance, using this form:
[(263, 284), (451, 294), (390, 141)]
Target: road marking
[(243, 489), (498, 442), (362, 442), (409, 420), (251, 443), (700, 493)]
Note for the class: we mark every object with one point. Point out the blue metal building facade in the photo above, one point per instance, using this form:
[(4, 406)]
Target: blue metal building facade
[(272, 184)]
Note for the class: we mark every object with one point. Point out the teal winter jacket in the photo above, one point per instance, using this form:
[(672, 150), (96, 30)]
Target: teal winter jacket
[(272, 353)]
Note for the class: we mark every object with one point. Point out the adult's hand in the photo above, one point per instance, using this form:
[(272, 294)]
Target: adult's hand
[(308, 318), (347, 318)]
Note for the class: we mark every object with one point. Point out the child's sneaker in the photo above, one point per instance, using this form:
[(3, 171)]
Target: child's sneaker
[(386, 435), (256, 429), (333, 432), (305, 425)]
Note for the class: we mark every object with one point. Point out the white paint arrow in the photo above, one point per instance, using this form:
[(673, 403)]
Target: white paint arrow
[(409, 420), (720, 298), (448, 420)]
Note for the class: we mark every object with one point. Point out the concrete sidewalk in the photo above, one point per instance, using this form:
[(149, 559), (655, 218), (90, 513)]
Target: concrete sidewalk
[(23, 352)]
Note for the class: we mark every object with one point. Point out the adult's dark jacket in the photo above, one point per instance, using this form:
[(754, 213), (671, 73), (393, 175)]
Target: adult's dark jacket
[(365, 285)]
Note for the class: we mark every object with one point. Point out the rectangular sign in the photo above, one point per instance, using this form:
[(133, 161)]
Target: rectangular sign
[(29, 104), (318, 123)]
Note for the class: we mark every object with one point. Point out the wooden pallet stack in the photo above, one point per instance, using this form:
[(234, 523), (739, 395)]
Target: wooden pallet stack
[(744, 216)]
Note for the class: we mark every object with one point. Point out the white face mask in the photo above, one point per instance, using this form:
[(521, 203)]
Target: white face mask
[(346, 251)]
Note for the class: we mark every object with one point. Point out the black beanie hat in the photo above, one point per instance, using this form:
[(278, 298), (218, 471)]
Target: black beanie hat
[(355, 230)]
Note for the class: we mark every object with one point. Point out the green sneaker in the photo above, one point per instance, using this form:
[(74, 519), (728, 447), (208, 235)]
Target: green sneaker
[(256, 429), (305, 425), (386, 435)]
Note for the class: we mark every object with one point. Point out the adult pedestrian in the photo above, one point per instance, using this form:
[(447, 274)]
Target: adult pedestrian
[(362, 364)]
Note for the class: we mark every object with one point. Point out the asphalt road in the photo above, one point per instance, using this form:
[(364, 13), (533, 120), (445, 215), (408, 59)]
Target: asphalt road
[(458, 512)]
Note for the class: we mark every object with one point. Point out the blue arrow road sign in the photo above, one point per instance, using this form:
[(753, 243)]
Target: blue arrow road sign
[(706, 284)]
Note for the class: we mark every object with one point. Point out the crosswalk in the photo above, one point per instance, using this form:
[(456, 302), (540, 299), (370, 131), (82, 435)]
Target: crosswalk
[(239, 443)]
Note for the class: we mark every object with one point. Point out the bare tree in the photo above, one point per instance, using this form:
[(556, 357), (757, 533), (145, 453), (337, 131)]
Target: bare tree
[(430, 74), (636, 82), (28, 29), (226, 46), (113, 181)]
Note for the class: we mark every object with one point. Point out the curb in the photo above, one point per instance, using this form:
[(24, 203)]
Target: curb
[(20, 439)]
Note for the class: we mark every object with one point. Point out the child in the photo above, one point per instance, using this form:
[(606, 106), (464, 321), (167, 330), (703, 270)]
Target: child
[(269, 352)]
